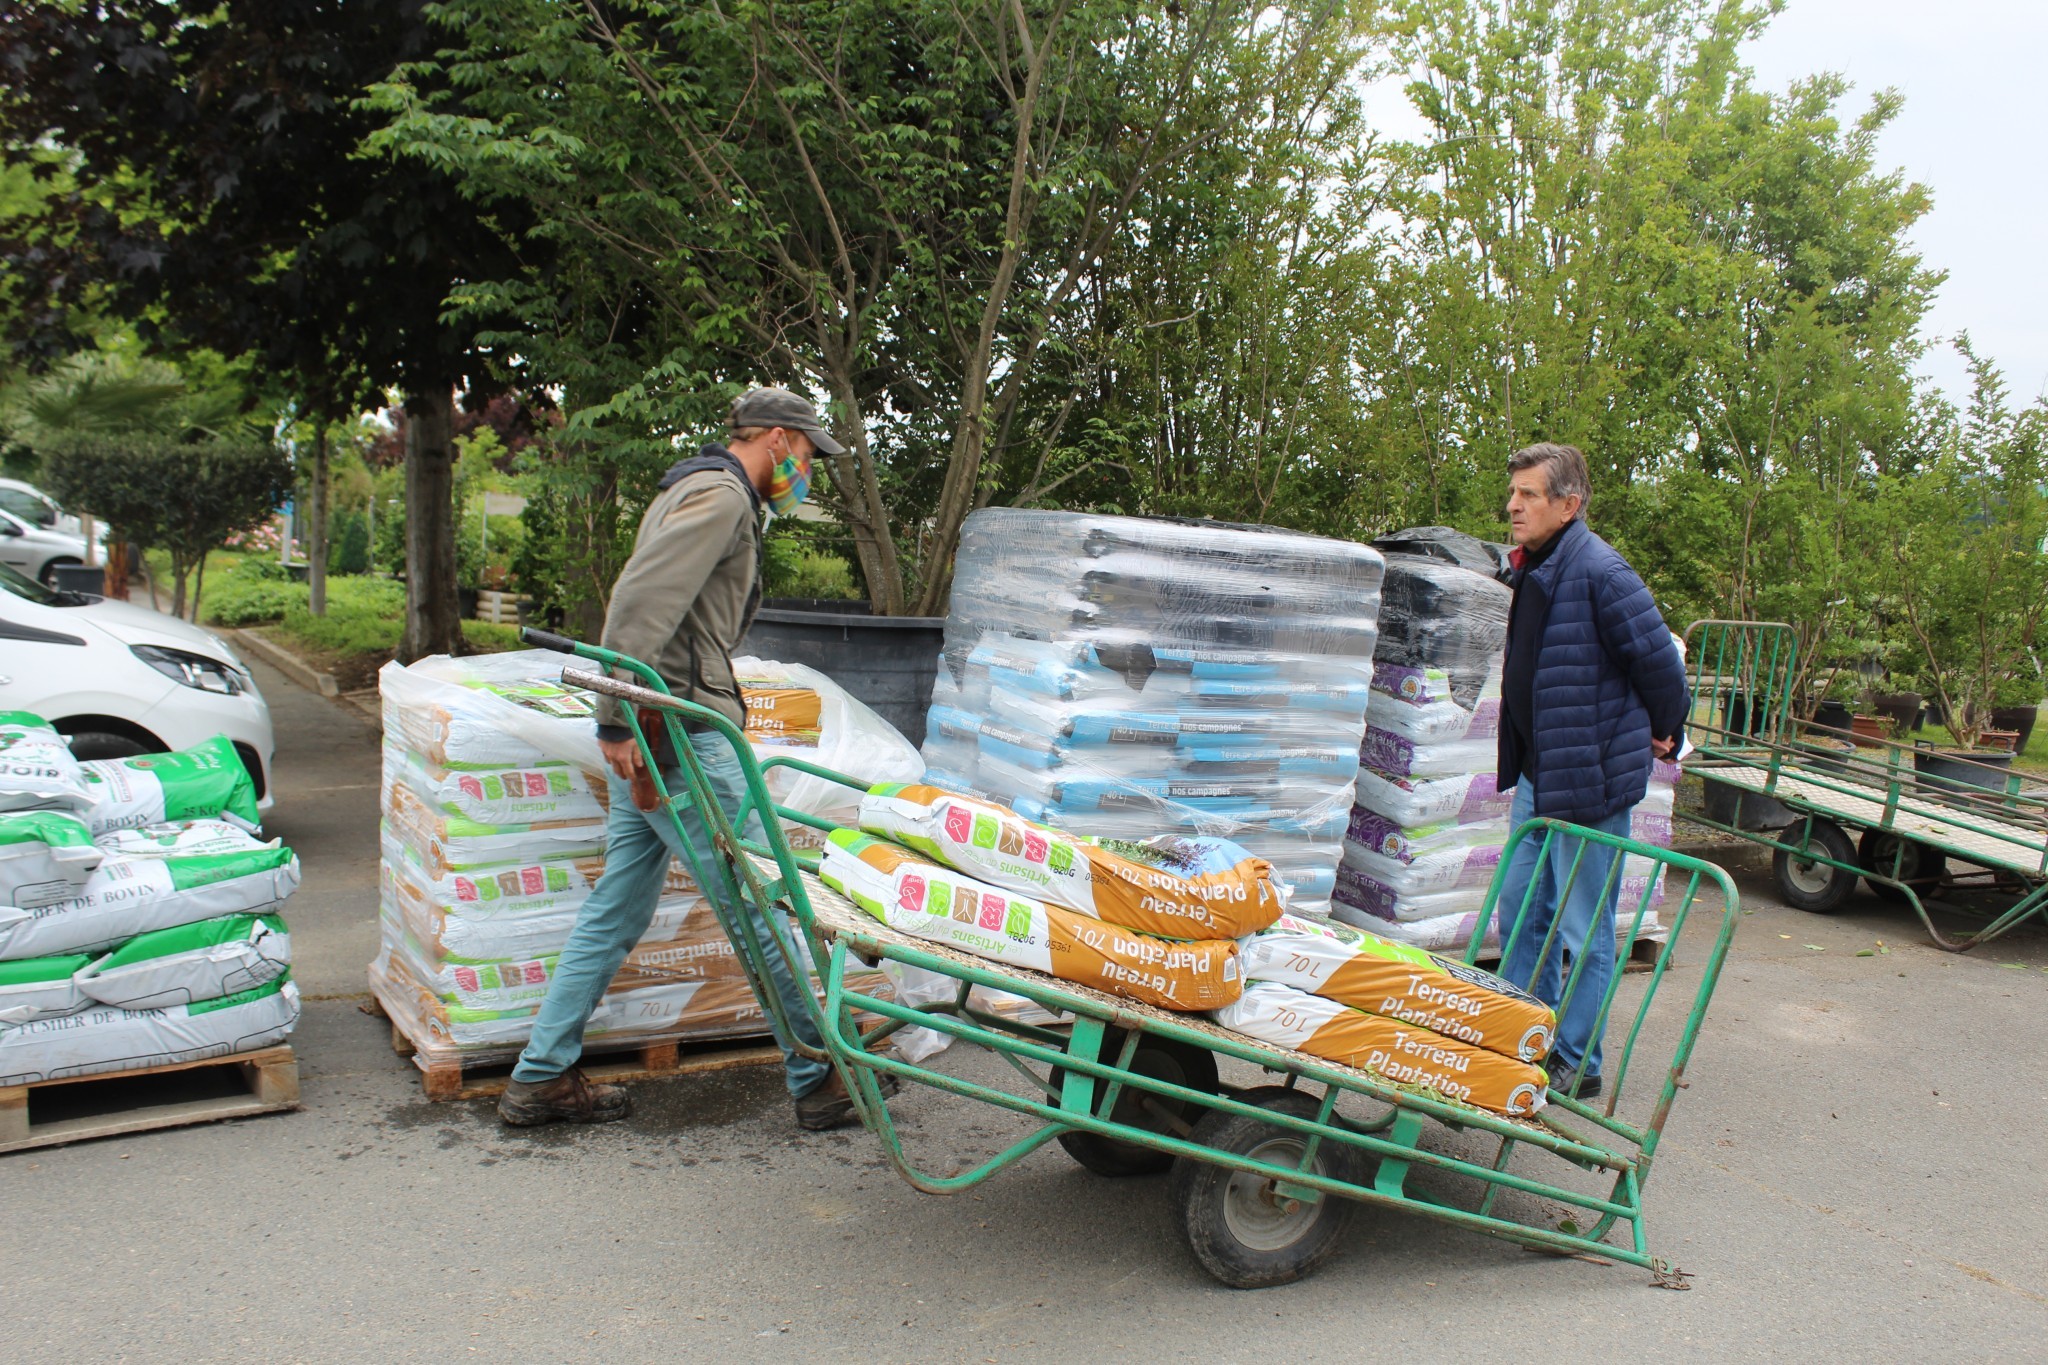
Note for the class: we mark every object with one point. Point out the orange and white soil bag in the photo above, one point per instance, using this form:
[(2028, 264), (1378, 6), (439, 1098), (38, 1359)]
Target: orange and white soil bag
[(1392, 979), (931, 902), (1178, 886), (1400, 1052)]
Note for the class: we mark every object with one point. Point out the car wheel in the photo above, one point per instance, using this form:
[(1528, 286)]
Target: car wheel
[(87, 745), (49, 573)]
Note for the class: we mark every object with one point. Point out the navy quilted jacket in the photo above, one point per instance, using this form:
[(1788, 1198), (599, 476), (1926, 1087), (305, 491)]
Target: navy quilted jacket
[(1608, 677)]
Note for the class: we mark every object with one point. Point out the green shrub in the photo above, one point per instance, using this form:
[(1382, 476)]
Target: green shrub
[(796, 566), (349, 551)]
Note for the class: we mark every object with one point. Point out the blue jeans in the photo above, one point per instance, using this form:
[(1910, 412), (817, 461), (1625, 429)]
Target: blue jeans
[(638, 848), (1585, 926)]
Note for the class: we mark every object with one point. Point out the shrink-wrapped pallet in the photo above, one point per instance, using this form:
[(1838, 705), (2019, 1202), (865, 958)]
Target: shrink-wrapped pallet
[(1127, 678), (495, 805)]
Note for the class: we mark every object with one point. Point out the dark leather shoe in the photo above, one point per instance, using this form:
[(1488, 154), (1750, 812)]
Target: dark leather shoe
[(829, 1106), (1588, 1087), (570, 1098)]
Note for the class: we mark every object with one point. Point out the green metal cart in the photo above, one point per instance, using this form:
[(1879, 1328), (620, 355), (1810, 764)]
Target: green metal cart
[(1263, 1176), (1834, 806)]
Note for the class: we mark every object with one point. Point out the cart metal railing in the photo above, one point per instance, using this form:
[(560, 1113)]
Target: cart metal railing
[(1264, 1176), (1789, 786)]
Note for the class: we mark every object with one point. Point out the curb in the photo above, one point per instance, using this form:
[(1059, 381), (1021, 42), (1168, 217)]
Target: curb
[(289, 664)]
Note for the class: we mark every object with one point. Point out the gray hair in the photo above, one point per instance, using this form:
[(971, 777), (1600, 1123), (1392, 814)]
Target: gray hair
[(1564, 470)]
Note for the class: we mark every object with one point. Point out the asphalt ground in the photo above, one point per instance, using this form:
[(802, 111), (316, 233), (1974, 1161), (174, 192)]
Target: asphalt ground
[(1855, 1169)]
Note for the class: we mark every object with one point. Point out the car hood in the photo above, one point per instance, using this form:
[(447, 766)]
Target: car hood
[(136, 625), (61, 541)]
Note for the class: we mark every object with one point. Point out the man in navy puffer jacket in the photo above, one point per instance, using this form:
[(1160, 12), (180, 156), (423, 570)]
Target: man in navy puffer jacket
[(1593, 687)]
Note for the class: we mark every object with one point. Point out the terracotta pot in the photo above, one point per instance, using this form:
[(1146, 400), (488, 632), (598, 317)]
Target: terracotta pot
[(1871, 728), (2005, 741)]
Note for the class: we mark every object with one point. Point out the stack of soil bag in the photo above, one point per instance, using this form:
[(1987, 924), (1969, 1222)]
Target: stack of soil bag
[(1135, 678), (138, 909), (495, 804)]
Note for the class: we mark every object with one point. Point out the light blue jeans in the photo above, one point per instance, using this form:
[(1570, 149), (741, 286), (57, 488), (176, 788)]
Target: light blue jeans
[(637, 851), (1586, 926)]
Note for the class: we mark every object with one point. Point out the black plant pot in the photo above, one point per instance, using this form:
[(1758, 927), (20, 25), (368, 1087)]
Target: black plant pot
[(2016, 718), (1835, 715)]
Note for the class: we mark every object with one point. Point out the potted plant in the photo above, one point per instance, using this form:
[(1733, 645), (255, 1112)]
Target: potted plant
[(2016, 705), (1965, 537)]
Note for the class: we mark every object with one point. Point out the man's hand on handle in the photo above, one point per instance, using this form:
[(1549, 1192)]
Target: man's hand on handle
[(624, 757)]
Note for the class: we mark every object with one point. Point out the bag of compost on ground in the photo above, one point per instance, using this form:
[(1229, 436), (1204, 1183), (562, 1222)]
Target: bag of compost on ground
[(190, 963), (37, 770), (1391, 979), (42, 988), (447, 844), (200, 783), (1178, 886), (130, 896), (1286, 1017), (932, 902), (45, 855), (107, 1040)]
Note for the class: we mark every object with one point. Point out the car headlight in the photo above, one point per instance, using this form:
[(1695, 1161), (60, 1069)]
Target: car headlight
[(193, 670)]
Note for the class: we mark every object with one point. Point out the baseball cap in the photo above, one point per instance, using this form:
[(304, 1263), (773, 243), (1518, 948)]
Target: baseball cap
[(781, 408)]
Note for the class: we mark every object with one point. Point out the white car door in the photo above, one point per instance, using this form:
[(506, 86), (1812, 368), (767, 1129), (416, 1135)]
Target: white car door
[(18, 549)]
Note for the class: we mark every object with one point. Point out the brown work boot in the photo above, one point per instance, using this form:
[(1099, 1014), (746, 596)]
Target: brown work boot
[(569, 1097), (829, 1106)]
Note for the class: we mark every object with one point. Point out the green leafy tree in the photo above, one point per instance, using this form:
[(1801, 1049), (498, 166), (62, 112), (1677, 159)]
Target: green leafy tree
[(184, 497), (904, 207), (1965, 541), (220, 201)]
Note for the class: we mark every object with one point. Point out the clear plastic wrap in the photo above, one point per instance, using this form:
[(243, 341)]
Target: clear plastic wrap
[(1436, 615), (495, 801), (1126, 678)]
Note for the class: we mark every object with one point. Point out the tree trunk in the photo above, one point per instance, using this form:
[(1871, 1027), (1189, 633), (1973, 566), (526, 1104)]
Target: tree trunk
[(595, 509), (433, 622), (180, 570), (115, 580), (198, 588), (316, 532)]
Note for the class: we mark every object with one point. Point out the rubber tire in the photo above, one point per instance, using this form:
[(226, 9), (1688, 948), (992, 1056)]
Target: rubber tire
[(87, 745), (1830, 839), (1920, 864), (1161, 1059), (48, 576), (1202, 1197)]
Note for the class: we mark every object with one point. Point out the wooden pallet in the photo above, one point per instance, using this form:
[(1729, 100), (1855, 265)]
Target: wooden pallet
[(137, 1101), (457, 1079)]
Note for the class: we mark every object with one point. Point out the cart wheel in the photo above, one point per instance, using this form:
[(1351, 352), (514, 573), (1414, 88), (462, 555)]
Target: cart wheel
[(1809, 885), (1162, 1059), (1920, 863), (1241, 1229)]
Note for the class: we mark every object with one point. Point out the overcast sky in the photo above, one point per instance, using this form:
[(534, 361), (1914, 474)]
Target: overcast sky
[(1972, 132)]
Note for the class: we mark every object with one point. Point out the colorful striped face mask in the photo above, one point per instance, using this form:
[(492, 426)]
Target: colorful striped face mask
[(790, 484)]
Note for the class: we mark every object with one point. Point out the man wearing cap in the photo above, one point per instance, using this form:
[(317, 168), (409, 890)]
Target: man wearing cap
[(681, 605)]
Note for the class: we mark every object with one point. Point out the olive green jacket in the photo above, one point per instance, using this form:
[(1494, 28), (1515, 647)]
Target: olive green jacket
[(689, 592)]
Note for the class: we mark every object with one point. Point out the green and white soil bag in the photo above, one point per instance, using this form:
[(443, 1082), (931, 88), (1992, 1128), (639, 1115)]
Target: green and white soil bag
[(200, 783), (37, 770), (42, 988), (107, 1039), (182, 839), (129, 896), (190, 963), (45, 856)]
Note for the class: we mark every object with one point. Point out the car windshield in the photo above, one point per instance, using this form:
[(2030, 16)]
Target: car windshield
[(22, 586)]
